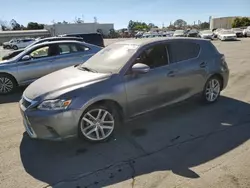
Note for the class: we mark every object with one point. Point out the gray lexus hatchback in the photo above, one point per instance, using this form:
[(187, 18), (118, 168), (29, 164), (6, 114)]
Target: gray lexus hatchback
[(122, 81)]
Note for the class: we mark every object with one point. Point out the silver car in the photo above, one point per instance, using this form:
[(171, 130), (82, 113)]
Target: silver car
[(42, 59), (122, 81)]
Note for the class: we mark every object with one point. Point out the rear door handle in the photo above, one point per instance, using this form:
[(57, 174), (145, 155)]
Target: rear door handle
[(203, 64)]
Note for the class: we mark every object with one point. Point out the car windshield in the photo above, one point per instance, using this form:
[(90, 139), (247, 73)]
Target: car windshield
[(207, 32), (179, 31), (111, 59)]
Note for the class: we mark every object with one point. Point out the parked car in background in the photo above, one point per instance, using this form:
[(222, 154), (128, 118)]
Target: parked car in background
[(92, 38), (246, 32), (138, 34), (224, 35), (216, 32), (122, 81), (238, 32), (7, 45), (179, 33), (206, 34), (192, 33), (21, 43), (16, 52), (42, 59)]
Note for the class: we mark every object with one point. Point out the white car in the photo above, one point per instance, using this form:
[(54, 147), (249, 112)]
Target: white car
[(206, 34), (238, 32), (246, 32), (216, 32), (227, 35), (179, 33), (21, 43), (7, 45)]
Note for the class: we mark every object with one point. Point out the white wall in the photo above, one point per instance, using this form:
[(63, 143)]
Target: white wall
[(59, 29)]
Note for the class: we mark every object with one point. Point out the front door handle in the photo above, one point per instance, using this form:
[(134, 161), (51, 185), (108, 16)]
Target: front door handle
[(203, 64)]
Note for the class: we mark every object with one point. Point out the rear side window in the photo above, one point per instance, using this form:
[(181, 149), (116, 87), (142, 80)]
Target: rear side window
[(181, 51), (211, 48), (71, 48)]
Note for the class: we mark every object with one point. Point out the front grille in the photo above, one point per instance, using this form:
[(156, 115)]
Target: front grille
[(25, 103)]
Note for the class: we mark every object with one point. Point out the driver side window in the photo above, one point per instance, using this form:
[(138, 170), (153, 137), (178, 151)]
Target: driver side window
[(154, 57), (40, 52)]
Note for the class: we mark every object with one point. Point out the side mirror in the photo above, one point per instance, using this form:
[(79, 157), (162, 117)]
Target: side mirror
[(26, 58), (140, 68)]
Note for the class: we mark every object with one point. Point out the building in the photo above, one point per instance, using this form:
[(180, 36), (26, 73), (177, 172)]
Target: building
[(223, 22), (8, 35), (60, 29)]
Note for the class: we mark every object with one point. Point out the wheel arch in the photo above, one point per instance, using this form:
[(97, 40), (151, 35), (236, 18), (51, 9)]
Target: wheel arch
[(10, 75), (219, 76), (109, 103)]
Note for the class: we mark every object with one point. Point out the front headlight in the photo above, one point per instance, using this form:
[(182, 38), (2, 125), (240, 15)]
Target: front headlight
[(56, 104)]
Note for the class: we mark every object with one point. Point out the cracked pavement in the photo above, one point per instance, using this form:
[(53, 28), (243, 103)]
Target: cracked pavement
[(187, 145)]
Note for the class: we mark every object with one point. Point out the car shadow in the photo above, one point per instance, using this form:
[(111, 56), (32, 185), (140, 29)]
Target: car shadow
[(173, 139), (13, 97)]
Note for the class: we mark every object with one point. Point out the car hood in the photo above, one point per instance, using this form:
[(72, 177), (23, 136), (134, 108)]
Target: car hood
[(228, 35), (5, 62), (61, 82)]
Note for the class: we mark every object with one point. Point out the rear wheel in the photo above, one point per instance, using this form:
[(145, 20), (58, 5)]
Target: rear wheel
[(98, 123), (212, 90), (15, 47), (7, 84)]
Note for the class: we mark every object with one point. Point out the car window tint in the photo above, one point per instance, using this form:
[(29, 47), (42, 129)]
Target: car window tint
[(180, 51), (155, 56), (64, 48), (40, 52), (82, 48)]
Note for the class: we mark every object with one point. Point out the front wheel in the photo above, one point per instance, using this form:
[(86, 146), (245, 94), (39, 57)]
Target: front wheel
[(212, 90), (15, 47), (98, 123), (7, 84)]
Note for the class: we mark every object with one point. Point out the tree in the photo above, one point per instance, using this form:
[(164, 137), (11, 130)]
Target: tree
[(241, 22), (4, 25), (140, 26), (78, 20), (15, 25), (34, 26), (204, 25), (151, 25), (180, 23), (237, 23), (245, 21)]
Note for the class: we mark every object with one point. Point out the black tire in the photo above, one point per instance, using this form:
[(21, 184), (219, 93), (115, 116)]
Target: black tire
[(204, 93), (15, 47), (7, 79), (106, 107)]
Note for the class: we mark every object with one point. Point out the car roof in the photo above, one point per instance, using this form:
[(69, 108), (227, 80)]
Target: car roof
[(64, 37), (145, 41)]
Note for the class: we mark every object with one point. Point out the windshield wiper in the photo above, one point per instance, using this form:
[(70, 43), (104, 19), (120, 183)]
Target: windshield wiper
[(86, 69)]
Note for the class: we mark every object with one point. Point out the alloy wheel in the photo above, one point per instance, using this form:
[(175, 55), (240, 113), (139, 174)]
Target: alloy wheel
[(6, 85), (212, 90), (97, 124)]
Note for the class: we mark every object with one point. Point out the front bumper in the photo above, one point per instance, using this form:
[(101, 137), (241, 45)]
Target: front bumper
[(208, 37), (50, 125), (228, 38)]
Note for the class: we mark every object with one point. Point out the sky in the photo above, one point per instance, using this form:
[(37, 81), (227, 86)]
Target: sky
[(120, 12)]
